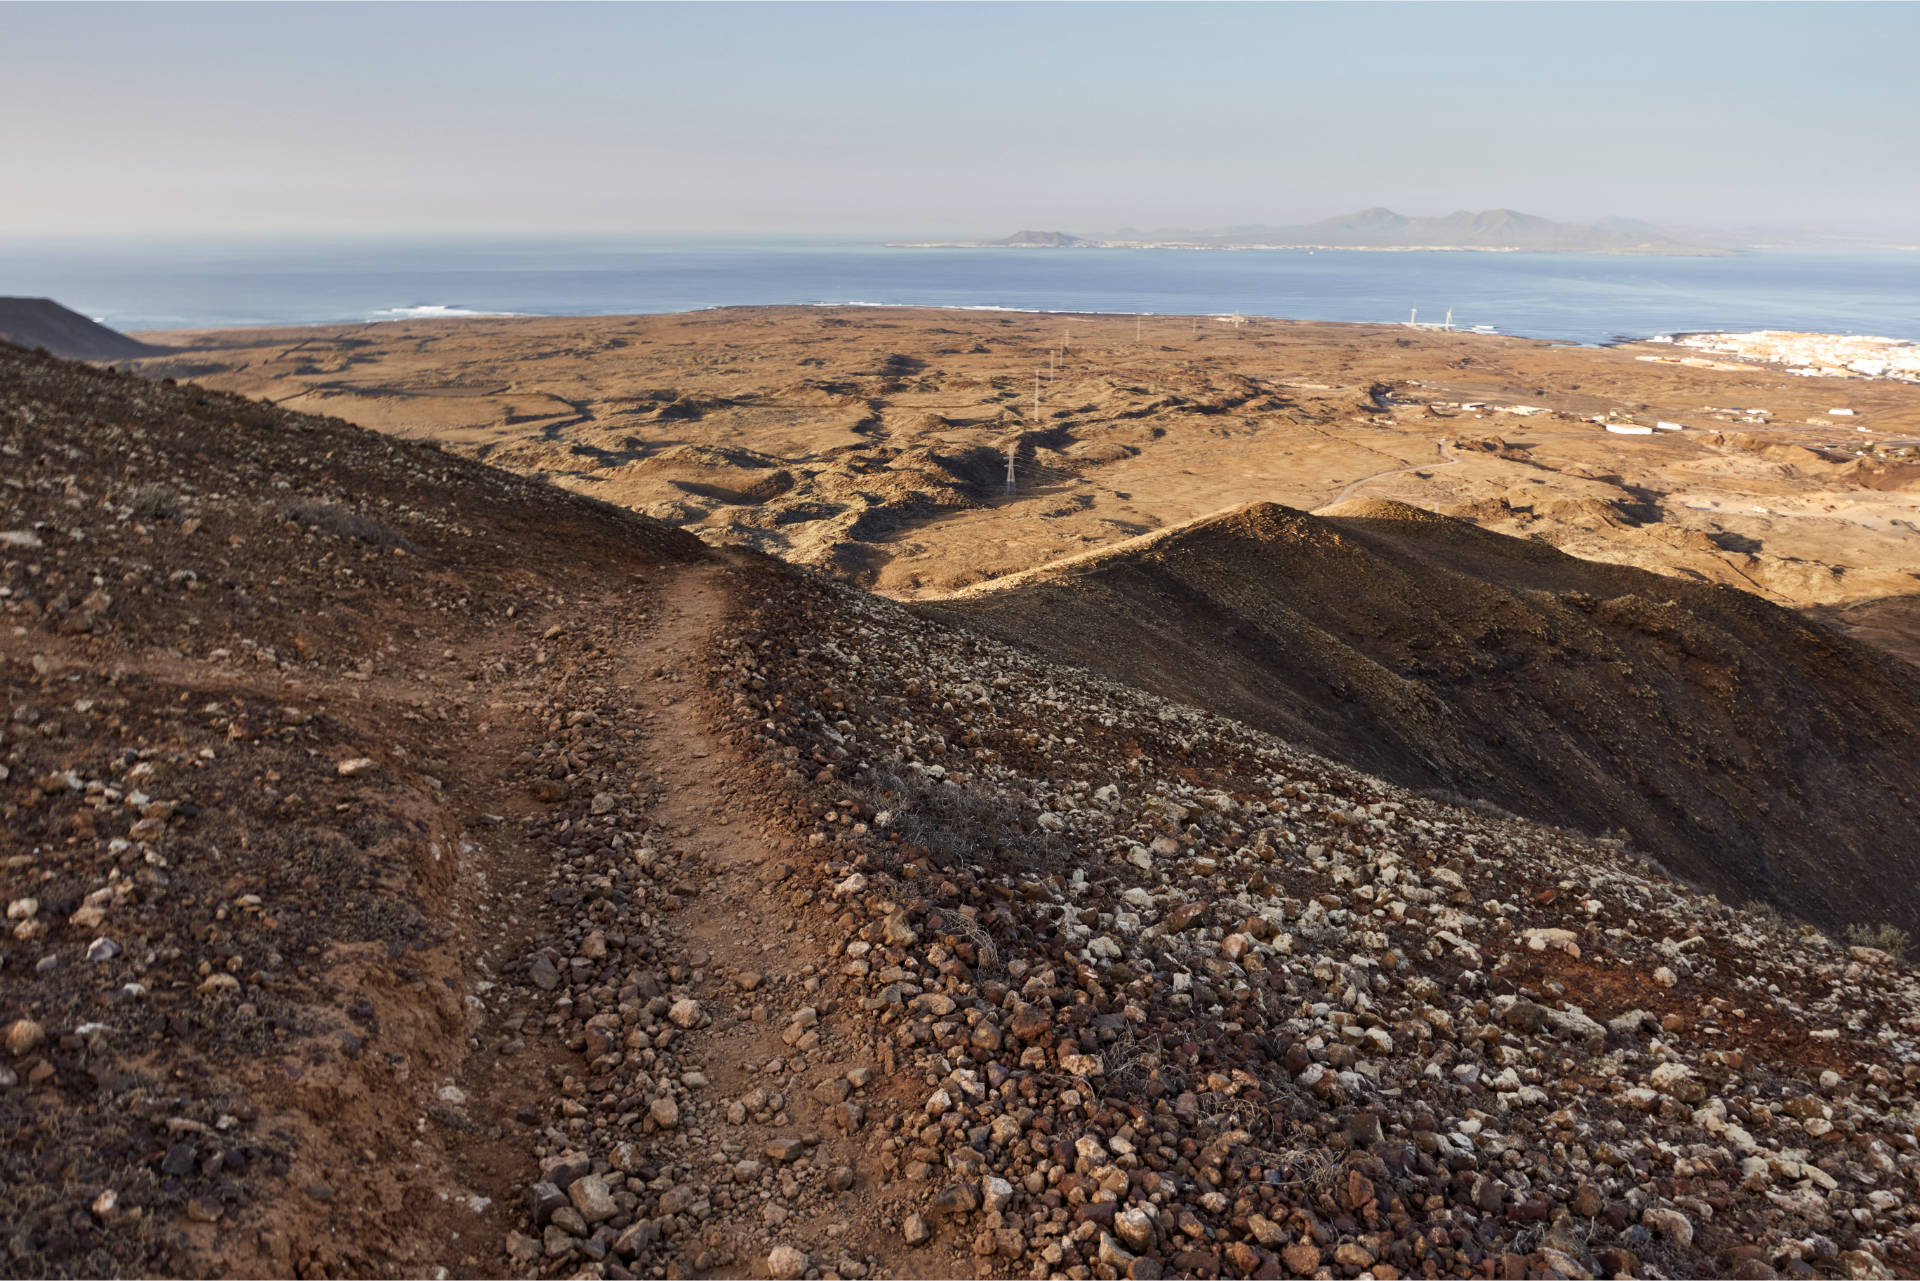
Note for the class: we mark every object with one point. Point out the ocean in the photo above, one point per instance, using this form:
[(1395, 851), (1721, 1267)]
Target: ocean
[(1585, 298)]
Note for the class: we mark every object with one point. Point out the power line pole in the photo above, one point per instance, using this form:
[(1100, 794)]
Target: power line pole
[(1136, 331), (1013, 447), (1036, 399)]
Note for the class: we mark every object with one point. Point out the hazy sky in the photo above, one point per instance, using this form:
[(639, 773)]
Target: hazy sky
[(937, 118)]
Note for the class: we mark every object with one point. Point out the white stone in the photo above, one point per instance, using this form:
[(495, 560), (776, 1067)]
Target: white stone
[(784, 1263)]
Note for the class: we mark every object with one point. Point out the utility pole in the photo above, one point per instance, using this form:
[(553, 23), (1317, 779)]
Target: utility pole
[(1449, 324), (1013, 447), (1136, 331), (1036, 399), (1413, 316)]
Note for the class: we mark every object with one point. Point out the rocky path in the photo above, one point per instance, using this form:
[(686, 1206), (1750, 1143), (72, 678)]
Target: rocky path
[(747, 1154)]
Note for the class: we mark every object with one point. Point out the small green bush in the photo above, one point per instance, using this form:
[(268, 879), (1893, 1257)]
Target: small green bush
[(1888, 938)]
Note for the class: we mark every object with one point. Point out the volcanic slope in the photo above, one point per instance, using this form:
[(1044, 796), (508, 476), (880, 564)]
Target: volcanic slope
[(60, 331), (273, 689), (1757, 753), (1158, 994), (410, 866)]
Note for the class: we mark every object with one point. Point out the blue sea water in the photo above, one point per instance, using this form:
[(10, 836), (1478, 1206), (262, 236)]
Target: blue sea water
[(1575, 298)]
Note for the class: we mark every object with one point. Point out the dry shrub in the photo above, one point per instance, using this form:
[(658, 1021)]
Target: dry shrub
[(154, 502), (341, 522), (1890, 939), (955, 824)]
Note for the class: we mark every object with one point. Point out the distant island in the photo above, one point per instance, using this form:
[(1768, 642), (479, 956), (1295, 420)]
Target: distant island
[(1489, 231)]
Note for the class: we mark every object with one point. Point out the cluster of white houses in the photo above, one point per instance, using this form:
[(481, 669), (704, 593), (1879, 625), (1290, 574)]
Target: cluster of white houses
[(1818, 355)]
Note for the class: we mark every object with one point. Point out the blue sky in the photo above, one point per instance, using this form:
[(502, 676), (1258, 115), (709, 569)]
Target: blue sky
[(947, 119)]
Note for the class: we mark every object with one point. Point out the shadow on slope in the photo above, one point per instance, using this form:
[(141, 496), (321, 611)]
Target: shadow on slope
[(42, 323), (1751, 750)]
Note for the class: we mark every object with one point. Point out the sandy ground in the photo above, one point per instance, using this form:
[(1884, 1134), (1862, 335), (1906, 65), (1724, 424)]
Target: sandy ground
[(874, 441)]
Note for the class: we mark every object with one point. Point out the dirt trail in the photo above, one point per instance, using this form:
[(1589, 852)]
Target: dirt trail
[(691, 608), (448, 890), (757, 951), (1446, 460)]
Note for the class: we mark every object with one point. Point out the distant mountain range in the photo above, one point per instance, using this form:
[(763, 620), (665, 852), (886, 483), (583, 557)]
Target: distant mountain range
[(1378, 228)]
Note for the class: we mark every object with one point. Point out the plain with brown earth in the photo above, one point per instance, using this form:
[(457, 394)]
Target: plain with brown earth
[(874, 441)]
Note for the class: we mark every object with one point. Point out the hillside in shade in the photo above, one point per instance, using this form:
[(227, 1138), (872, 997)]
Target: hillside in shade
[(41, 324), (1758, 753)]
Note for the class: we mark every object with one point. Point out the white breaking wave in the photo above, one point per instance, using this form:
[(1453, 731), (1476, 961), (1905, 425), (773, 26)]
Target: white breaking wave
[(436, 311)]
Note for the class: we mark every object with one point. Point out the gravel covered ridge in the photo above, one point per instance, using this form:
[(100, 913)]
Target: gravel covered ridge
[(261, 676), (1165, 995)]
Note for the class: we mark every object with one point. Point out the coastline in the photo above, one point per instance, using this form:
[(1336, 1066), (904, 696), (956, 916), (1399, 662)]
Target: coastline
[(1065, 313), (1588, 299)]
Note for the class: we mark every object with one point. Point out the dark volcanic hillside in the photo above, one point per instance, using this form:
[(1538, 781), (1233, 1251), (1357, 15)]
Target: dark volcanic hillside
[(1756, 753), (263, 681), (43, 324)]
